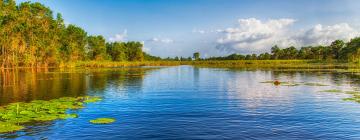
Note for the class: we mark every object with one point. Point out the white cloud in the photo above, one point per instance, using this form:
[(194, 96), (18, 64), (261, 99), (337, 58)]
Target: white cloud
[(119, 37), (253, 35), (161, 40), (324, 35)]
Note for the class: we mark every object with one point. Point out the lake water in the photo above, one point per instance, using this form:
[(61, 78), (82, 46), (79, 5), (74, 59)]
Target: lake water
[(186, 102)]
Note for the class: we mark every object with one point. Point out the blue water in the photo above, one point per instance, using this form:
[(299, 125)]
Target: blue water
[(186, 102)]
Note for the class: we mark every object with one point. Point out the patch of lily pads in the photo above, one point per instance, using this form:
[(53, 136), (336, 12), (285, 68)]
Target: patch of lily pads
[(332, 91), (315, 84), (278, 83), (355, 95), (14, 115), (103, 121)]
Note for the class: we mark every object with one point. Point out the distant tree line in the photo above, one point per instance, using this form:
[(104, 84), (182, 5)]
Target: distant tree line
[(337, 50), (30, 35)]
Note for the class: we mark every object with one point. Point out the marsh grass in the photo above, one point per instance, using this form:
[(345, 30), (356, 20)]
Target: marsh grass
[(280, 64), (112, 64), (12, 116)]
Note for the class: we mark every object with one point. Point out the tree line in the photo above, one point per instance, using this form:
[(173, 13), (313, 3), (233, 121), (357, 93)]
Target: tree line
[(337, 50), (30, 35)]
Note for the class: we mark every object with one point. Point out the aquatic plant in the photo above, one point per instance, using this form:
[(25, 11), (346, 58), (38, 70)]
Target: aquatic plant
[(353, 92), (89, 99), (9, 127), (278, 83), (15, 114), (355, 96), (314, 84), (102, 121), (267, 82), (289, 84), (332, 91)]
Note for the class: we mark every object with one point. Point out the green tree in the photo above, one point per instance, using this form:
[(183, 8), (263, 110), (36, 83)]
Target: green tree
[(96, 47), (196, 56), (73, 44), (117, 51), (352, 52), (336, 47), (134, 51), (276, 52)]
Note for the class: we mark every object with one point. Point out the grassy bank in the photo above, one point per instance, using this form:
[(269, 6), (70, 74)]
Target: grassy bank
[(292, 64), (278, 64), (303, 64), (107, 64)]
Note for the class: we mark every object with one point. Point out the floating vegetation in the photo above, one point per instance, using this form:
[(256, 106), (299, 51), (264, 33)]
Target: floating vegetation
[(314, 84), (332, 91), (278, 83), (102, 121), (290, 84), (15, 114), (267, 82), (355, 96), (9, 127), (92, 99), (353, 92)]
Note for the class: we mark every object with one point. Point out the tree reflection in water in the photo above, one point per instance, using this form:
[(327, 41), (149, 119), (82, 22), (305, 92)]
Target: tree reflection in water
[(44, 84)]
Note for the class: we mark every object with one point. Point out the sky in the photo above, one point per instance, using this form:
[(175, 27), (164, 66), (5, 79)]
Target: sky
[(171, 28)]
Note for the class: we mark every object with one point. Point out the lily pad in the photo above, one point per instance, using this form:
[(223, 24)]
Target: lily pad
[(89, 99), (9, 127), (314, 84), (332, 91), (102, 121), (267, 82), (289, 84)]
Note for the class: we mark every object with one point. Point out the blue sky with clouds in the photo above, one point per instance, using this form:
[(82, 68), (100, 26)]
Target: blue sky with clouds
[(213, 27)]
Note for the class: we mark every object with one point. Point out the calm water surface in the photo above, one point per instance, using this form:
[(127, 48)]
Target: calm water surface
[(186, 102)]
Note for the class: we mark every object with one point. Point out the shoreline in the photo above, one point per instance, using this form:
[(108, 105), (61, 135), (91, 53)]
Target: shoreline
[(281, 64)]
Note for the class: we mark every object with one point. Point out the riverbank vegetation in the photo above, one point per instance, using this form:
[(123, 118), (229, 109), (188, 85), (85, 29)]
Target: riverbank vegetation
[(32, 37)]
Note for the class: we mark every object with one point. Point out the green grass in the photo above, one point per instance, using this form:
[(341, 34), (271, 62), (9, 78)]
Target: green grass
[(264, 64), (273, 64), (281, 64), (97, 64), (102, 121)]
